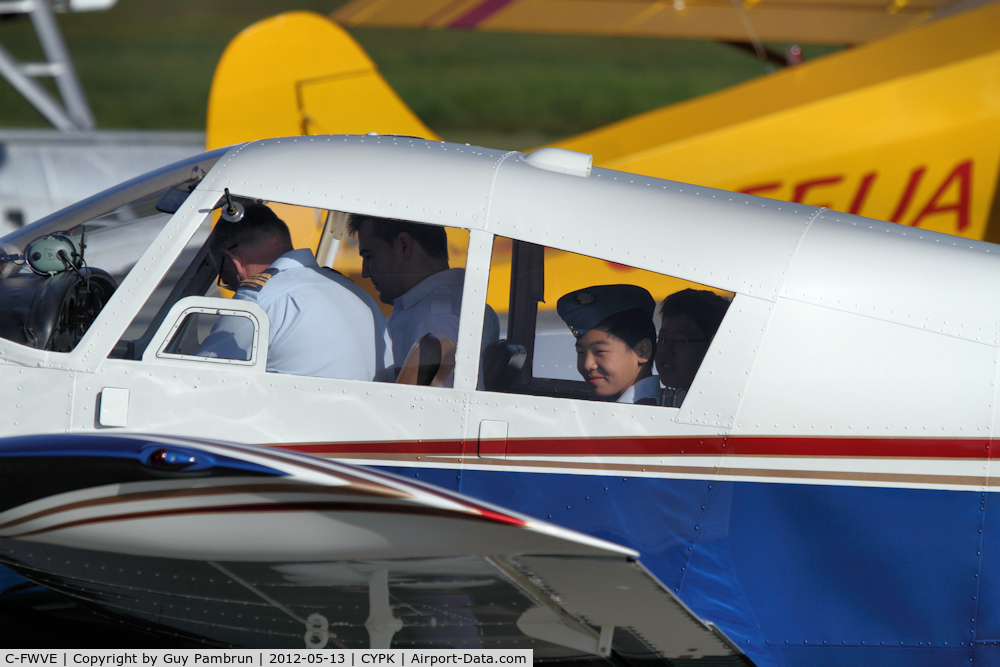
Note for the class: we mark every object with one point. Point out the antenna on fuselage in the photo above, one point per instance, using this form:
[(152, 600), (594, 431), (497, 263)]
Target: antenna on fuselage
[(233, 210)]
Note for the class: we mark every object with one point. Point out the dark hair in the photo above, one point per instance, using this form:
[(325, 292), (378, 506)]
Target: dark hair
[(631, 327), (706, 308), (433, 239), (259, 224)]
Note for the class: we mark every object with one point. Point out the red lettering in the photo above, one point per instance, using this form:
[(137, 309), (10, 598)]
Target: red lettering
[(959, 203), (763, 187), (862, 194), (911, 187), (963, 172), (802, 188)]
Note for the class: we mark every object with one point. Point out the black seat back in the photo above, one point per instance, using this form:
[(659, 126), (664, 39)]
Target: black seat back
[(502, 363)]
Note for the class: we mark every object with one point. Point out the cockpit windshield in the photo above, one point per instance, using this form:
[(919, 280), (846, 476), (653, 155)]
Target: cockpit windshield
[(57, 273), (163, 190)]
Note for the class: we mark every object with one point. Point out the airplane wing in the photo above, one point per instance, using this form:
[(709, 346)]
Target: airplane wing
[(231, 545), (830, 22)]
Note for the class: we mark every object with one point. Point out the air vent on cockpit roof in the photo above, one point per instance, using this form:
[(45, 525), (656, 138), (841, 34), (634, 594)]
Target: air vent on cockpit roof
[(561, 160)]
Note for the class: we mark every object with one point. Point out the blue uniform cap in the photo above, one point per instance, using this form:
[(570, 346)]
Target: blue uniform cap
[(584, 309)]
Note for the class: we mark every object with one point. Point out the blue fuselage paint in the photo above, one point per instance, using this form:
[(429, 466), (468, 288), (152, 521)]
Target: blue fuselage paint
[(795, 574)]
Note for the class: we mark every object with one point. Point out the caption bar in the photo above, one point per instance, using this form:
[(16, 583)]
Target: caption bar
[(264, 657)]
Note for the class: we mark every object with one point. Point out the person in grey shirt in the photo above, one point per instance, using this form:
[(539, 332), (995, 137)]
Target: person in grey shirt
[(407, 263)]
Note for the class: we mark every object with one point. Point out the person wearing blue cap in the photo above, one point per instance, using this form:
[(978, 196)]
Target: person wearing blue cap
[(615, 341)]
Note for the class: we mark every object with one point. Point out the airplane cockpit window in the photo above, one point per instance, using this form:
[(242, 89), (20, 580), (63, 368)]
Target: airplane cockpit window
[(56, 276), (389, 277), (260, 252), (417, 273), (179, 278), (580, 327)]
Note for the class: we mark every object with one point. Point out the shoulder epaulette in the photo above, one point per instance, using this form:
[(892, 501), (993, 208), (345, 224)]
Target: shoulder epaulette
[(257, 281)]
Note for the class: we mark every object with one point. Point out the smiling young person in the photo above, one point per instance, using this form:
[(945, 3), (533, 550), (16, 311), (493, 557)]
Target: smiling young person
[(615, 341)]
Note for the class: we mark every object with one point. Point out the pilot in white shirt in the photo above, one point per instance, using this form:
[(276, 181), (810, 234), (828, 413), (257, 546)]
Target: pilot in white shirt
[(321, 323), (407, 263)]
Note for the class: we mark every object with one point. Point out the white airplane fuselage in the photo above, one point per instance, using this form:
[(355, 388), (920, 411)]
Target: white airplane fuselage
[(830, 465)]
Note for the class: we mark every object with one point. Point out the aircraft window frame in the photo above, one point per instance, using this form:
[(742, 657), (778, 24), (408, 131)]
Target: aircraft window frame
[(197, 279), (179, 315), (332, 248), (112, 232), (527, 290), (338, 246)]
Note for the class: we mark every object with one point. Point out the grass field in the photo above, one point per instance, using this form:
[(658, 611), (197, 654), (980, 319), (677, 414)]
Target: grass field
[(149, 64)]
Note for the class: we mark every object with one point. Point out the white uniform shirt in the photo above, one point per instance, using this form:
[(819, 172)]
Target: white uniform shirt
[(321, 324), (434, 306), (647, 388)]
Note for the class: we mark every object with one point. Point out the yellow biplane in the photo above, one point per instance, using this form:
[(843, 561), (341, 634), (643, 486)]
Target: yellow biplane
[(904, 126)]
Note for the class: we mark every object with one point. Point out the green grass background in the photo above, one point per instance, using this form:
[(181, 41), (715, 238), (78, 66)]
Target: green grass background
[(148, 64)]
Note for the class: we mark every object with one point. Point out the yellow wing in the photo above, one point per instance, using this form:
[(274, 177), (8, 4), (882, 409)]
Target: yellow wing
[(808, 21), (903, 129)]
